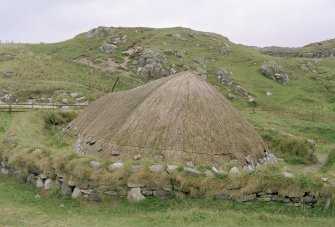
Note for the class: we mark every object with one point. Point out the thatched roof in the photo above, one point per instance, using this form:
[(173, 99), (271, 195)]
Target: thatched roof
[(181, 117)]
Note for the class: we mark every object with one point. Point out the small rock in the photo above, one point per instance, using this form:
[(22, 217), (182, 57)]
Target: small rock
[(74, 94), (95, 164), (156, 168), (158, 158), (192, 171), (86, 191), (219, 172), (147, 192), (115, 152), (135, 168), (116, 165), (137, 157), (39, 182), (233, 186), (233, 162), (246, 198), (234, 171), (65, 190), (111, 193), (94, 196), (324, 179), (76, 192), (209, 173), (43, 176), (288, 174), (171, 168), (327, 205), (48, 184), (190, 164), (135, 195), (132, 184), (4, 171)]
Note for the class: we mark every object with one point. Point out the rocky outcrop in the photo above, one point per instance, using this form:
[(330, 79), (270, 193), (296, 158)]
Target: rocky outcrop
[(224, 76), (100, 31), (152, 64), (274, 72), (314, 50)]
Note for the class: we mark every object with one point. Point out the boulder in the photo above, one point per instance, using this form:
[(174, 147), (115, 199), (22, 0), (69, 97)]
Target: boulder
[(108, 48), (200, 60), (135, 195), (7, 98), (225, 76), (274, 72)]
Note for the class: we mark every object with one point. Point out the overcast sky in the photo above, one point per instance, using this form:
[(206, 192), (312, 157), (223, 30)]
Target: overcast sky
[(252, 22)]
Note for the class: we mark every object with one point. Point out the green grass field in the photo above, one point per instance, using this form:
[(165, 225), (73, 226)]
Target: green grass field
[(23, 205)]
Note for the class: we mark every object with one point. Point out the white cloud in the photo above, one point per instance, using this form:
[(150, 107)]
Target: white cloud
[(257, 22)]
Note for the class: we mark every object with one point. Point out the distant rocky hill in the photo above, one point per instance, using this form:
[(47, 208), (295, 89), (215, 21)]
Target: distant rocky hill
[(314, 50)]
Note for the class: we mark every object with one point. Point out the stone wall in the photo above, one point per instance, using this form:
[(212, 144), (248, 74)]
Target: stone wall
[(139, 189)]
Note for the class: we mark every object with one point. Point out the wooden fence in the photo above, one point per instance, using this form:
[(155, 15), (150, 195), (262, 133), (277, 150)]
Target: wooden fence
[(21, 107)]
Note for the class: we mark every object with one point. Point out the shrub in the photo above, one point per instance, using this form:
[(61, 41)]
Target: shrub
[(57, 118)]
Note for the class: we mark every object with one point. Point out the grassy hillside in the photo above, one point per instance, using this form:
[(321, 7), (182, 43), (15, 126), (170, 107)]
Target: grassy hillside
[(303, 109), (51, 72)]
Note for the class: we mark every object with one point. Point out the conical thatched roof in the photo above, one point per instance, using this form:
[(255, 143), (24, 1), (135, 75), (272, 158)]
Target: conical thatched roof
[(181, 117)]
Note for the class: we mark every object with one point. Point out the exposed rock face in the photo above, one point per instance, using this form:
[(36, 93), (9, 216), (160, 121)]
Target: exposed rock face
[(225, 76), (275, 72), (152, 64), (100, 31), (108, 48)]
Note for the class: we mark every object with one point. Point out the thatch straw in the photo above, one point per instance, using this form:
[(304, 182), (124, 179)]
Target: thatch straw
[(181, 117)]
